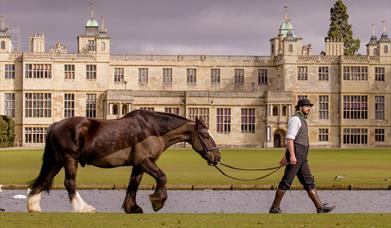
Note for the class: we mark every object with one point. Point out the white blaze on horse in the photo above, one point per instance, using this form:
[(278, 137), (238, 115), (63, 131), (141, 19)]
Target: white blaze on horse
[(137, 139)]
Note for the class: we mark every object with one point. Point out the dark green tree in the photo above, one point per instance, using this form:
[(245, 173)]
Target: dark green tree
[(340, 29)]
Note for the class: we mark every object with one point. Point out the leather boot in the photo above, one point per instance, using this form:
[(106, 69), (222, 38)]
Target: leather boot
[(275, 208), (320, 208)]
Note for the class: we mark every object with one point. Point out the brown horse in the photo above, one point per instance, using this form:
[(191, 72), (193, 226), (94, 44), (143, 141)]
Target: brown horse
[(137, 139)]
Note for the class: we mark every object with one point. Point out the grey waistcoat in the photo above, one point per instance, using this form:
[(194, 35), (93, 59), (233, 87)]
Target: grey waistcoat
[(302, 134)]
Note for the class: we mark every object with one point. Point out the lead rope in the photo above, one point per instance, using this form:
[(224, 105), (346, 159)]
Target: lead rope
[(249, 169), (240, 179)]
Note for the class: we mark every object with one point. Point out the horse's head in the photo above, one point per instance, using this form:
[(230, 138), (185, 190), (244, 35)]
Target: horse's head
[(204, 143)]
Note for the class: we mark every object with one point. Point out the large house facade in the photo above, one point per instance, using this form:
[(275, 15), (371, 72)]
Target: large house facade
[(245, 100)]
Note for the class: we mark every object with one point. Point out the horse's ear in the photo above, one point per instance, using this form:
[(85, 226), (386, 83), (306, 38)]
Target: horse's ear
[(198, 123)]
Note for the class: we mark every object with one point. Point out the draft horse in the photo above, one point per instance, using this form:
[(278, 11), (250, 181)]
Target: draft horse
[(137, 140)]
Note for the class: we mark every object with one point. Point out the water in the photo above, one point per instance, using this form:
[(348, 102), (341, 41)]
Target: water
[(208, 201)]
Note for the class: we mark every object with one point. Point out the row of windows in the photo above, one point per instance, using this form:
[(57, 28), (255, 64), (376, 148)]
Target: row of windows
[(352, 135), (44, 71), (354, 107), (39, 105), (349, 73)]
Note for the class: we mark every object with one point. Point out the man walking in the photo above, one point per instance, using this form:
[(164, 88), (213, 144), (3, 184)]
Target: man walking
[(296, 160)]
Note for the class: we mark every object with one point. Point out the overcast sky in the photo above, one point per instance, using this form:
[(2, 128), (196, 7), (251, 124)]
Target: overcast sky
[(210, 27)]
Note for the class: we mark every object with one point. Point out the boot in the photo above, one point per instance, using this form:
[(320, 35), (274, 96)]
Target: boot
[(275, 208), (320, 208)]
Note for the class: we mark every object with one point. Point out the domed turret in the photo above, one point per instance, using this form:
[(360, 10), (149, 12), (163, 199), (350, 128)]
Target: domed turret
[(92, 23), (286, 26)]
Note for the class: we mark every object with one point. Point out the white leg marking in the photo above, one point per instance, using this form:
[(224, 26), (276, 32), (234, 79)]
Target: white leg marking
[(33, 203), (79, 205)]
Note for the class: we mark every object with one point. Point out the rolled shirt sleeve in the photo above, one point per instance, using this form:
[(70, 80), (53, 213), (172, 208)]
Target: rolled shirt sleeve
[(294, 125)]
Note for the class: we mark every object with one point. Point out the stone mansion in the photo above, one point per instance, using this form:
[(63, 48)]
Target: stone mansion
[(245, 100)]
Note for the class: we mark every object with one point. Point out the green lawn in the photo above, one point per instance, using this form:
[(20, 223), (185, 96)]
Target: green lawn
[(361, 168), (193, 220)]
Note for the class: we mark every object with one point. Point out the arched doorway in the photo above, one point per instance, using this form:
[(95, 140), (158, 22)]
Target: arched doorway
[(279, 138)]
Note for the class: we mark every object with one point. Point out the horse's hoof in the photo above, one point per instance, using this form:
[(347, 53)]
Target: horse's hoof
[(157, 203), (87, 209), (34, 210), (135, 210)]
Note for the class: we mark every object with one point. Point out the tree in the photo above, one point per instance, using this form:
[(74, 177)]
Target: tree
[(340, 29)]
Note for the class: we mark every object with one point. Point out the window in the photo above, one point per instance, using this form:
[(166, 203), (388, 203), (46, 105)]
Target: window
[(355, 107), (91, 71), (355, 73), (375, 52), (38, 104), (91, 45), (35, 134), (215, 76), (355, 136), (379, 107), (124, 109), (323, 135), (379, 135), (167, 75), (103, 46), (115, 109), (301, 97), (142, 75), (38, 71), (324, 107), (118, 74), (9, 104), (275, 110), (379, 74), (248, 120), (9, 71), (224, 120), (239, 77), (262, 76), (172, 110), (323, 73), (2, 45), (385, 49), (69, 71), (191, 76), (284, 110), (200, 113), (302, 73), (69, 105), (148, 108), (91, 105), (290, 48)]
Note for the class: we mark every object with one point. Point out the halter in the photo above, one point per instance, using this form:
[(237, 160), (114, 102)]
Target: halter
[(204, 147)]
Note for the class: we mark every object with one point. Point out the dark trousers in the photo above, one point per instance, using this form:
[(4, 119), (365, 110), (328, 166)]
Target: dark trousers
[(301, 170)]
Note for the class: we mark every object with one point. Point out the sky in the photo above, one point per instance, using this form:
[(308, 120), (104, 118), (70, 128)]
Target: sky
[(191, 27)]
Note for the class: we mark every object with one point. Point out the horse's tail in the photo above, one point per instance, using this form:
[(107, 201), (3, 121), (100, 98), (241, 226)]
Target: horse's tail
[(51, 165)]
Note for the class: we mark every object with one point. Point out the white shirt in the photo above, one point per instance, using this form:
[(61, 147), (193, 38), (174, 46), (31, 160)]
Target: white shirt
[(294, 125)]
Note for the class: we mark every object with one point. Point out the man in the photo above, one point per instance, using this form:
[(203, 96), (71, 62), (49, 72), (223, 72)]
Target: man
[(296, 161)]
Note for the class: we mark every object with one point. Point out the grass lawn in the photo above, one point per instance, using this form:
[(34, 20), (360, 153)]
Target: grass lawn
[(193, 220), (361, 168)]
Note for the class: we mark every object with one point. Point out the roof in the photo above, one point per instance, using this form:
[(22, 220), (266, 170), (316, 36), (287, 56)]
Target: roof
[(92, 23)]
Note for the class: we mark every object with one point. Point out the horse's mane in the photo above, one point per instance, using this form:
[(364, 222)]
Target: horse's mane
[(160, 114)]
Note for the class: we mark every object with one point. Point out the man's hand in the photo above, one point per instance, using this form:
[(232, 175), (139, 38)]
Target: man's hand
[(283, 161), (293, 160)]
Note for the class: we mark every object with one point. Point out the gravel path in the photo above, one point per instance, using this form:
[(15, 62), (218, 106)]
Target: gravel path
[(208, 201)]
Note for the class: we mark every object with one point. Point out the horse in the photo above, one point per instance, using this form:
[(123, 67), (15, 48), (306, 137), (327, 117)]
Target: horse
[(137, 139)]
